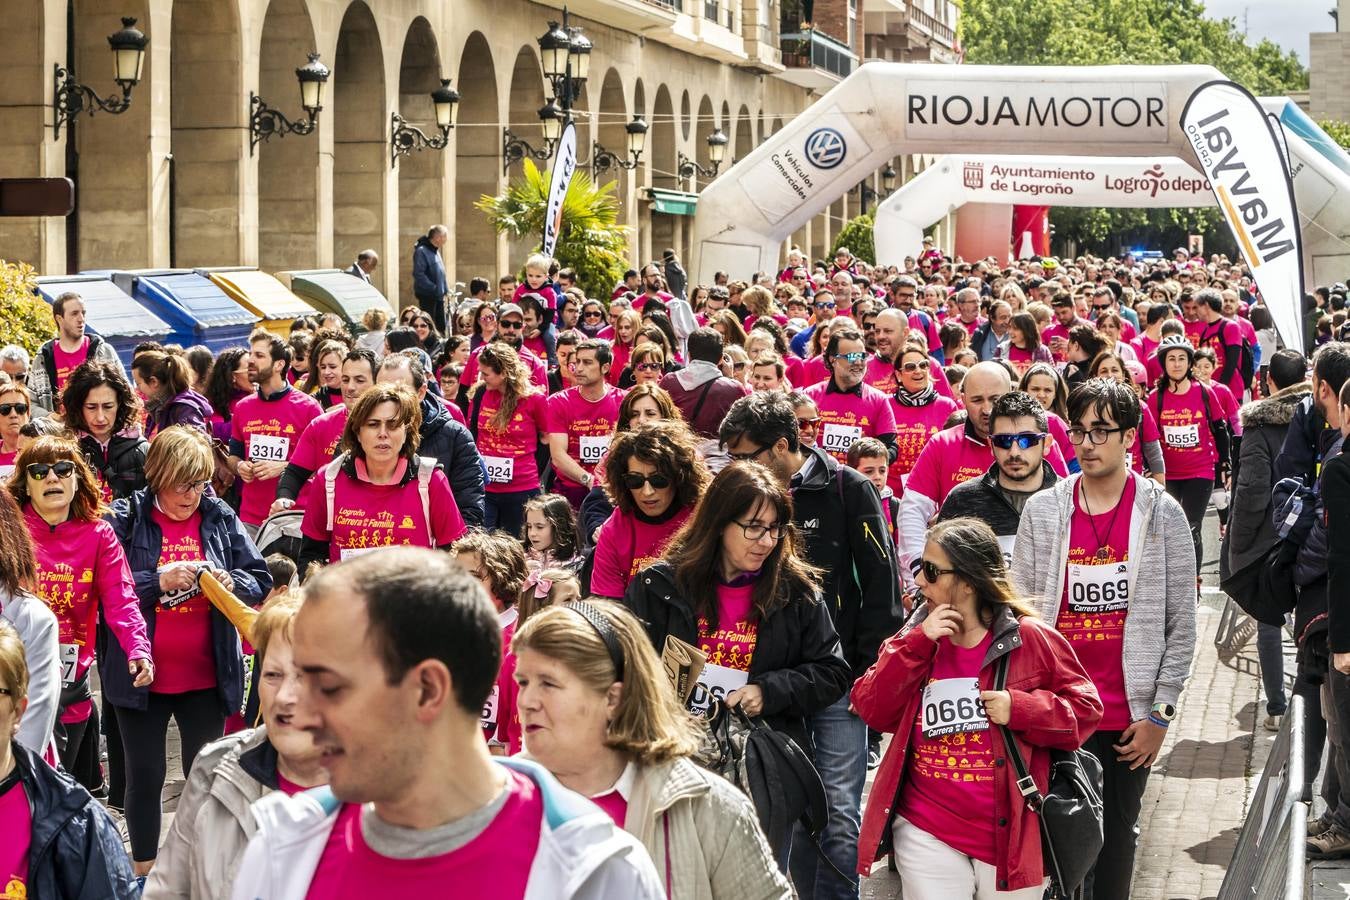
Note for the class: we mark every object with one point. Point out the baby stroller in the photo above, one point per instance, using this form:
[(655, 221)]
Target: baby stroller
[(280, 533)]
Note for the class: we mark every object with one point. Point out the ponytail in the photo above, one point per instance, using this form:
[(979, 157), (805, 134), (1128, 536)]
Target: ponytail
[(170, 369)]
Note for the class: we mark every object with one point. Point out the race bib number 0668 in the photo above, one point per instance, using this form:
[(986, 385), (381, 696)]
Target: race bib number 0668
[(953, 705)]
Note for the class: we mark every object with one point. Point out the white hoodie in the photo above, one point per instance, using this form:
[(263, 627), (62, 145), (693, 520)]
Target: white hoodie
[(39, 632), (582, 854)]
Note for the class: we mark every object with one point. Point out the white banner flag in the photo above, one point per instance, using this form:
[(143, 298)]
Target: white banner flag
[(564, 164), (1242, 155)]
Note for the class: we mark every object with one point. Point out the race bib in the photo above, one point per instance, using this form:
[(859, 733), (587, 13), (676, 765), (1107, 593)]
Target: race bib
[(1182, 437), (1005, 543), (953, 705), (248, 682), (1099, 588), (268, 448), (714, 683), (352, 552), (5, 472), (593, 446), (489, 719), (838, 438), (170, 599), (500, 469), (70, 661)]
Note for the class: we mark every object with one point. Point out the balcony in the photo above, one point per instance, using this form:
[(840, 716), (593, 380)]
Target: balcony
[(760, 32), (814, 60), (641, 16), (899, 31)]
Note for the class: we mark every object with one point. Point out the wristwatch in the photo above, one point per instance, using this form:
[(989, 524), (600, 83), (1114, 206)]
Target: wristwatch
[(1165, 711)]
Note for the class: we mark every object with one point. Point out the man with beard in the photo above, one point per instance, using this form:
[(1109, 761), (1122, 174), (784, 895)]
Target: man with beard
[(1017, 435), (849, 409), (510, 331)]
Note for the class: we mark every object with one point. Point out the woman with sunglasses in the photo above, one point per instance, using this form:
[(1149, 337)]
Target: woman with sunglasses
[(933, 686), (734, 584), (428, 335), (808, 417), (171, 532), (592, 318), (646, 366), (920, 411), (101, 409), (484, 326), (15, 412), (82, 575), (653, 477)]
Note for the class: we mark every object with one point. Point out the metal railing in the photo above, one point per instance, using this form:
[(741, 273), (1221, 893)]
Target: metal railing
[(811, 48), (1268, 861)]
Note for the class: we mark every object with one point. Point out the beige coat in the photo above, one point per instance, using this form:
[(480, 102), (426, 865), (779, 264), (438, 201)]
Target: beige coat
[(703, 835), (212, 826)]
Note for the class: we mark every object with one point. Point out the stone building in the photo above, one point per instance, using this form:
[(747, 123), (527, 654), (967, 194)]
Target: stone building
[(176, 181)]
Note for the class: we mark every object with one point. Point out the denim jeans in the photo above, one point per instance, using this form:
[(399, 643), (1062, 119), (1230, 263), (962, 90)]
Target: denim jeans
[(506, 511), (840, 740), (1270, 651)]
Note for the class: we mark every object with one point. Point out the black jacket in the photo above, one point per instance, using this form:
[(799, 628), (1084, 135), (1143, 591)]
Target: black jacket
[(798, 663), (226, 546), (75, 850), (981, 498), (845, 533), (1304, 441), (121, 466), (1335, 488), (451, 445)]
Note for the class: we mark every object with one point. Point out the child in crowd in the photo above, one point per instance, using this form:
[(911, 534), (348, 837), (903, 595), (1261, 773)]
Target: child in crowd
[(550, 534), (870, 458), (537, 282), (1206, 361), (375, 320), (547, 588)]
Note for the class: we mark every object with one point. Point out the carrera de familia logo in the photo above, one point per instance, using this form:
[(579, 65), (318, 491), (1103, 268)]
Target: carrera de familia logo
[(973, 176), (825, 148)]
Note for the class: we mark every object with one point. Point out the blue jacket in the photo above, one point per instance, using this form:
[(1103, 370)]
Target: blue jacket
[(75, 851), (428, 272), (226, 546)]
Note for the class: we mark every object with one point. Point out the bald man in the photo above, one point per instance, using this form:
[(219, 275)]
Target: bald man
[(952, 456), (891, 330)]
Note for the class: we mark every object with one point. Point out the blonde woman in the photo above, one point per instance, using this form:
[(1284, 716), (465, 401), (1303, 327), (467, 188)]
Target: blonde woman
[(599, 714)]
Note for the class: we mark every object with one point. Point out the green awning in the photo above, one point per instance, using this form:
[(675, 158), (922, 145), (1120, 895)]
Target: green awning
[(675, 203)]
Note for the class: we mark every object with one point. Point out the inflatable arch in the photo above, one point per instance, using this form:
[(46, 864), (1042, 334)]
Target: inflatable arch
[(884, 110)]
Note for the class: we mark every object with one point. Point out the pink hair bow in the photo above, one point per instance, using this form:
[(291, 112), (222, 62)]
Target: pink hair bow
[(542, 586)]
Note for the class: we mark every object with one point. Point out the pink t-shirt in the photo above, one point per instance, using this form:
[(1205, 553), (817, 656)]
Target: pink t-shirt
[(81, 568), (16, 824), (1148, 431), (500, 720), (1228, 403), (1060, 433), (319, 441), (845, 417), (184, 658), (732, 644), (614, 805), (369, 516), (589, 425), (813, 372), (795, 368), (495, 864), (288, 787), (509, 453), (1060, 331), (1187, 444), (1218, 336), (533, 365), (1096, 600), (1194, 329), (625, 545), (914, 427), (536, 346), (269, 430), (948, 790), (68, 362), (952, 457), (7, 464), (622, 353), (1021, 359)]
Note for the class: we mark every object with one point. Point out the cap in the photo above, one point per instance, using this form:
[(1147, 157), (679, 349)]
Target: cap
[(928, 240), (507, 309)]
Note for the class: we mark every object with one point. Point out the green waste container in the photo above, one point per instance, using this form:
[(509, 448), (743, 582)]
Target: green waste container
[(334, 291)]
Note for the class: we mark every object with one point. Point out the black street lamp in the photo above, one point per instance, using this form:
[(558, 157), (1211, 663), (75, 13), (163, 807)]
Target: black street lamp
[(603, 160), (868, 193), (405, 138), (265, 122), (717, 151), (71, 98)]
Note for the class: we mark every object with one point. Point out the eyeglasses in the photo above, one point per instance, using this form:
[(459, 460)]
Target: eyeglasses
[(7, 408), (914, 367), (931, 573), (808, 424), (1024, 440), (19, 377), (904, 295), (512, 324), (825, 304), (754, 531), (739, 366), (1101, 307), (852, 358), (635, 480), (192, 487), (746, 457), (649, 367), (1095, 435), (488, 317), (593, 314), (63, 469)]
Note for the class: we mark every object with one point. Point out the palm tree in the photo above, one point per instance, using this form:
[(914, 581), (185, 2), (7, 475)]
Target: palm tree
[(591, 241)]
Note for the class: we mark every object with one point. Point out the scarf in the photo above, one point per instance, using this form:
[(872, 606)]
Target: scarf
[(921, 398)]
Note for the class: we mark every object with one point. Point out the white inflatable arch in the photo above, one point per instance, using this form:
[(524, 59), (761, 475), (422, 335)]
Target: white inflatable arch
[(954, 181), (885, 110)]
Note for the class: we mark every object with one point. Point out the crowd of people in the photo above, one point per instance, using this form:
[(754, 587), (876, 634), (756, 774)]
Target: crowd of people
[(418, 593)]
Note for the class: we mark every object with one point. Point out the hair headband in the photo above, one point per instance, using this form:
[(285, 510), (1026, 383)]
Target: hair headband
[(602, 627)]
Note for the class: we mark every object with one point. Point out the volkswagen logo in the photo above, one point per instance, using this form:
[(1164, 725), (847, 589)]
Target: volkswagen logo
[(825, 148)]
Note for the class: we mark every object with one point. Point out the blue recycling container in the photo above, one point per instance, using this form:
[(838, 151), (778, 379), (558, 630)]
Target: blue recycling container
[(197, 310), (109, 311)]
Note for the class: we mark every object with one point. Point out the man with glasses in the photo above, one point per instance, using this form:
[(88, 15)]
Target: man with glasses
[(1018, 440), (1094, 549), (904, 294), (510, 331), (824, 308), (14, 362), (850, 409), (1056, 337), (581, 420), (845, 533), (967, 303), (1104, 301)]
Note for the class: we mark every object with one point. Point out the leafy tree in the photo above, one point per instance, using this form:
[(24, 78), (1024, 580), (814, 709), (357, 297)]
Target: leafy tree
[(1126, 32), (856, 235), (591, 241), (25, 318), (1337, 131)]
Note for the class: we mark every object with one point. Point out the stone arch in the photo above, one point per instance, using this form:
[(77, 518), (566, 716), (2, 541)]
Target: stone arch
[(745, 134), (478, 166), (704, 126), (360, 138), (611, 117), (421, 174), (288, 167), (25, 142), (525, 98), (208, 135), (662, 146)]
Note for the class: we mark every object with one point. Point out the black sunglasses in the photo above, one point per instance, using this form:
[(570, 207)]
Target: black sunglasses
[(593, 314), (931, 573), (63, 469), (1024, 440), (504, 323), (7, 408), (634, 481)]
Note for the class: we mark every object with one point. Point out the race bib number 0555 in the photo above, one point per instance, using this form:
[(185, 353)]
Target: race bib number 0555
[(1182, 437)]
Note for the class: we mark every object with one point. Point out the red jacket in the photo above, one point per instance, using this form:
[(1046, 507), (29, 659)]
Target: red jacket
[(1054, 706)]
